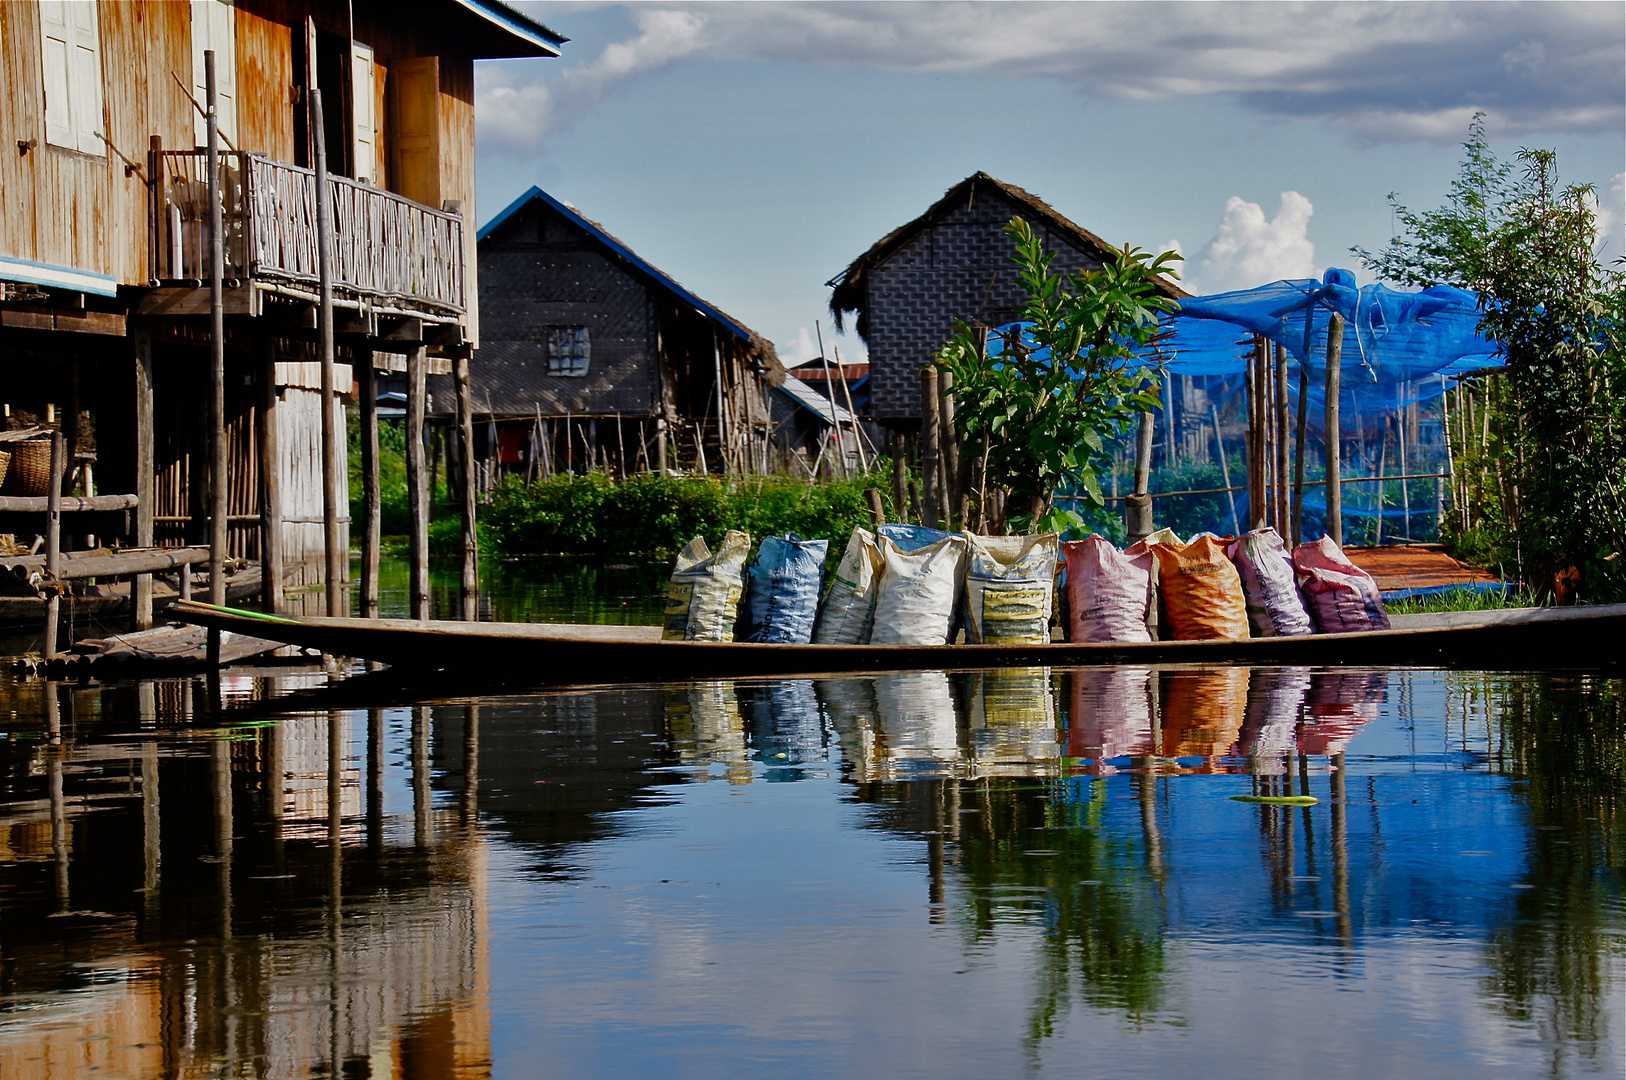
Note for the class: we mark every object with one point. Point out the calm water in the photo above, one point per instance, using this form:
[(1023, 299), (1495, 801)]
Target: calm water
[(1020, 872)]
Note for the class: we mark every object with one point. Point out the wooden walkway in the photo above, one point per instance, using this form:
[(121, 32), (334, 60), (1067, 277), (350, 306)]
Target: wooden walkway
[(163, 650), (1415, 567)]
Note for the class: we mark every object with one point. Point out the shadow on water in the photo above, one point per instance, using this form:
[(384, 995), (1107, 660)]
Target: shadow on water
[(282, 876)]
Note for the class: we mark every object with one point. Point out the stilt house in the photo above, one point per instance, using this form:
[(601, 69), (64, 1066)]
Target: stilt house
[(953, 262), (590, 356), (104, 253)]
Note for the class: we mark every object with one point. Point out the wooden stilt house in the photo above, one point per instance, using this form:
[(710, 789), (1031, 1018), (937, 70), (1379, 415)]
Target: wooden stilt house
[(591, 357), (105, 266)]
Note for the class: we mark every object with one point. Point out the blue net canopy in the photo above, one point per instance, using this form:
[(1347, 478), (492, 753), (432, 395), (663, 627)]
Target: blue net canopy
[(1395, 343)]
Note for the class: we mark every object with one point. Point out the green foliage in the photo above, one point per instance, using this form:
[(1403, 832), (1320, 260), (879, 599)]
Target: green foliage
[(1462, 600), (393, 509), (650, 514), (1041, 415), (1544, 465)]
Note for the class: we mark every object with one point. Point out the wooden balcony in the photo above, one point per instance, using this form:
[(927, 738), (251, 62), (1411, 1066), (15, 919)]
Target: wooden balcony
[(391, 256)]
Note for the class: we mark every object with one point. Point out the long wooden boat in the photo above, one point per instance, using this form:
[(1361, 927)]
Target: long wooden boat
[(562, 654)]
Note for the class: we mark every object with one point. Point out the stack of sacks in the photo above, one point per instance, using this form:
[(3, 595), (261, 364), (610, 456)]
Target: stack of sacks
[(1109, 592), (1269, 584), (703, 599), (1341, 597), (1009, 584), (1201, 589), (782, 596)]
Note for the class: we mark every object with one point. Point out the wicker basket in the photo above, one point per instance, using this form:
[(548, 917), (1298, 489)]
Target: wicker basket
[(5, 463), (30, 468)]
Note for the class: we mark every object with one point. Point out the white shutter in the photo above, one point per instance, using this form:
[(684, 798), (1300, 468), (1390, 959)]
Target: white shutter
[(85, 77), (59, 128), (214, 26), (363, 107)]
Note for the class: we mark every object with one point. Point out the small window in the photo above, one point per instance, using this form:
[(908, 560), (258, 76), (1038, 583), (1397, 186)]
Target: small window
[(71, 51), (569, 350)]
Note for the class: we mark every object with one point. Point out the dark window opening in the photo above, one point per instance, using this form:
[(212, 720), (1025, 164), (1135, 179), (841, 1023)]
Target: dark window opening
[(569, 350)]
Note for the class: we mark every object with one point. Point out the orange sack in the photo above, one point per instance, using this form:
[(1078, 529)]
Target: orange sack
[(1202, 591)]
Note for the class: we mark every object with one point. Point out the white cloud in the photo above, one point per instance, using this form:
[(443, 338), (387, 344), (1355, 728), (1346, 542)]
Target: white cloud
[(798, 352), (806, 346), (1382, 72), (1610, 225), (1247, 250)]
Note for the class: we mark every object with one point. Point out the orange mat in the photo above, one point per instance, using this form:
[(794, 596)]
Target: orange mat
[(1414, 567)]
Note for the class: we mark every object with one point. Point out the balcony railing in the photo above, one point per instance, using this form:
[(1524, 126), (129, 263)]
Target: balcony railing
[(390, 251)]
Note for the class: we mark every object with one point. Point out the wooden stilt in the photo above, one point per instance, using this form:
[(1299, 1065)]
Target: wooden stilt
[(660, 444), (900, 474), (145, 488), (417, 484), (1138, 505), (469, 591), (930, 449), (218, 511), (53, 547), (372, 500), (1284, 515), (1335, 500), (336, 557), (271, 546)]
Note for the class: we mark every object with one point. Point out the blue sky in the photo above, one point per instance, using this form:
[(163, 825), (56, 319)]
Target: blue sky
[(751, 150)]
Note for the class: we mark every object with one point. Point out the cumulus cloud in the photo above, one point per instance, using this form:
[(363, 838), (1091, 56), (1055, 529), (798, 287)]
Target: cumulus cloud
[(799, 351), (1379, 71), (805, 346), (1248, 250), (1609, 228)]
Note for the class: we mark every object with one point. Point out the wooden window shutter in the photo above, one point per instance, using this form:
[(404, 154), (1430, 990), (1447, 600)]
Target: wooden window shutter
[(214, 26), (415, 129), (71, 52), (362, 75)]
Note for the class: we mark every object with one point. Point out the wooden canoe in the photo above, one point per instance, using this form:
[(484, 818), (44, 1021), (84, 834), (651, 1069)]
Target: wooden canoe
[(562, 654)]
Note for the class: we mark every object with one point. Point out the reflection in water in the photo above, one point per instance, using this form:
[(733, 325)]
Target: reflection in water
[(189, 891)]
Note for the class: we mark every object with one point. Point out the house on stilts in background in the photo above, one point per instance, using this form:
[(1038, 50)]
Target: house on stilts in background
[(590, 357), (953, 262), (104, 253)]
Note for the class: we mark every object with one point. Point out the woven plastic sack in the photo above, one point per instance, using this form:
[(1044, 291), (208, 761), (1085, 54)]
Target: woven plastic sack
[(1010, 582), (782, 590), (1156, 624), (915, 604), (1203, 710), (849, 607), (1111, 714), (703, 599), (1342, 597), (1201, 590), (1109, 592), (1270, 585)]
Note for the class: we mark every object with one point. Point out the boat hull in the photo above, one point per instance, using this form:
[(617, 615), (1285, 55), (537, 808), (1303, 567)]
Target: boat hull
[(550, 654)]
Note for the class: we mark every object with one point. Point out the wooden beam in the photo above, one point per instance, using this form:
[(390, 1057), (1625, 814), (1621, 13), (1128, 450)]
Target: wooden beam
[(145, 434), (271, 548), (417, 487)]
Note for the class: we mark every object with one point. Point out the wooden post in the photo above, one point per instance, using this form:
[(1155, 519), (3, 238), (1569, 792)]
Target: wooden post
[(53, 546), (930, 448), (1297, 528), (1283, 501), (660, 444), (218, 509), (417, 483), (145, 488), (1170, 454), (877, 509), (1138, 505), (858, 436), (271, 550), (469, 592), (722, 408), (372, 500), (324, 326), (1335, 493), (949, 442)]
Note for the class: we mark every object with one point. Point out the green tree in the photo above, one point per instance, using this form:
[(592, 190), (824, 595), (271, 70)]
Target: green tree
[(1524, 242), (1041, 414)]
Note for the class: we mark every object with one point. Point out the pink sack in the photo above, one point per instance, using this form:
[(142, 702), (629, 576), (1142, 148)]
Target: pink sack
[(1342, 597), (1108, 592), (1270, 584)]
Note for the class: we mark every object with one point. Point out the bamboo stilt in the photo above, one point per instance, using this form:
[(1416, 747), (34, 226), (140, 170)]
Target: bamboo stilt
[(1335, 500)]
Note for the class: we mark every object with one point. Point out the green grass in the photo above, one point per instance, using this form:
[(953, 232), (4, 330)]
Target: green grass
[(1462, 600)]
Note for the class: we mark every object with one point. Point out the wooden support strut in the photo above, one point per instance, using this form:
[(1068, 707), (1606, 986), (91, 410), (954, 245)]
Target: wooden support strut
[(218, 523), (372, 503), (336, 557), (469, 591)]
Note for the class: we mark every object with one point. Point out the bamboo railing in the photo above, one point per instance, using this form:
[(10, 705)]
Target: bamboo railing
[(387, 249)]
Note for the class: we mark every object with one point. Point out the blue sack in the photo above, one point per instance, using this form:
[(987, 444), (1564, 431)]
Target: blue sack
[(911, 537), (782, 594)]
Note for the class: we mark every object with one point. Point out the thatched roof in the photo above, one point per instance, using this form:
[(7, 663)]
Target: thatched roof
[(849, 285)]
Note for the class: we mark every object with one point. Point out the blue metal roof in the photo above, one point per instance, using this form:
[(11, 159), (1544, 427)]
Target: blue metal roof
[(596, 231)]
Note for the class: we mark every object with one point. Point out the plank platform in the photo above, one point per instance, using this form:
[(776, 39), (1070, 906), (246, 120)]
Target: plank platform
[(1415, 567), (163, 650)]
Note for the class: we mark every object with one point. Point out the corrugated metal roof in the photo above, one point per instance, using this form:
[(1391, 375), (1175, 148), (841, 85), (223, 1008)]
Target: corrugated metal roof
[(597, 232), (811, 400), (546, 42)]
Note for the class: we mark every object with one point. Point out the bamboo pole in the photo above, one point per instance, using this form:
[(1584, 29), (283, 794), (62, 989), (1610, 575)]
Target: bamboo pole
[(218, 510), (372, 503), (469, 590), (53, 547), (1258, 425), (1297, 527), (417, 484), (1138, 506), (1283, 493), (335, 556), (846, 392), (271, 548), (830, 392), (900, 475), (930, 450), (1335, 499), (1225, 468), (949, 442)]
